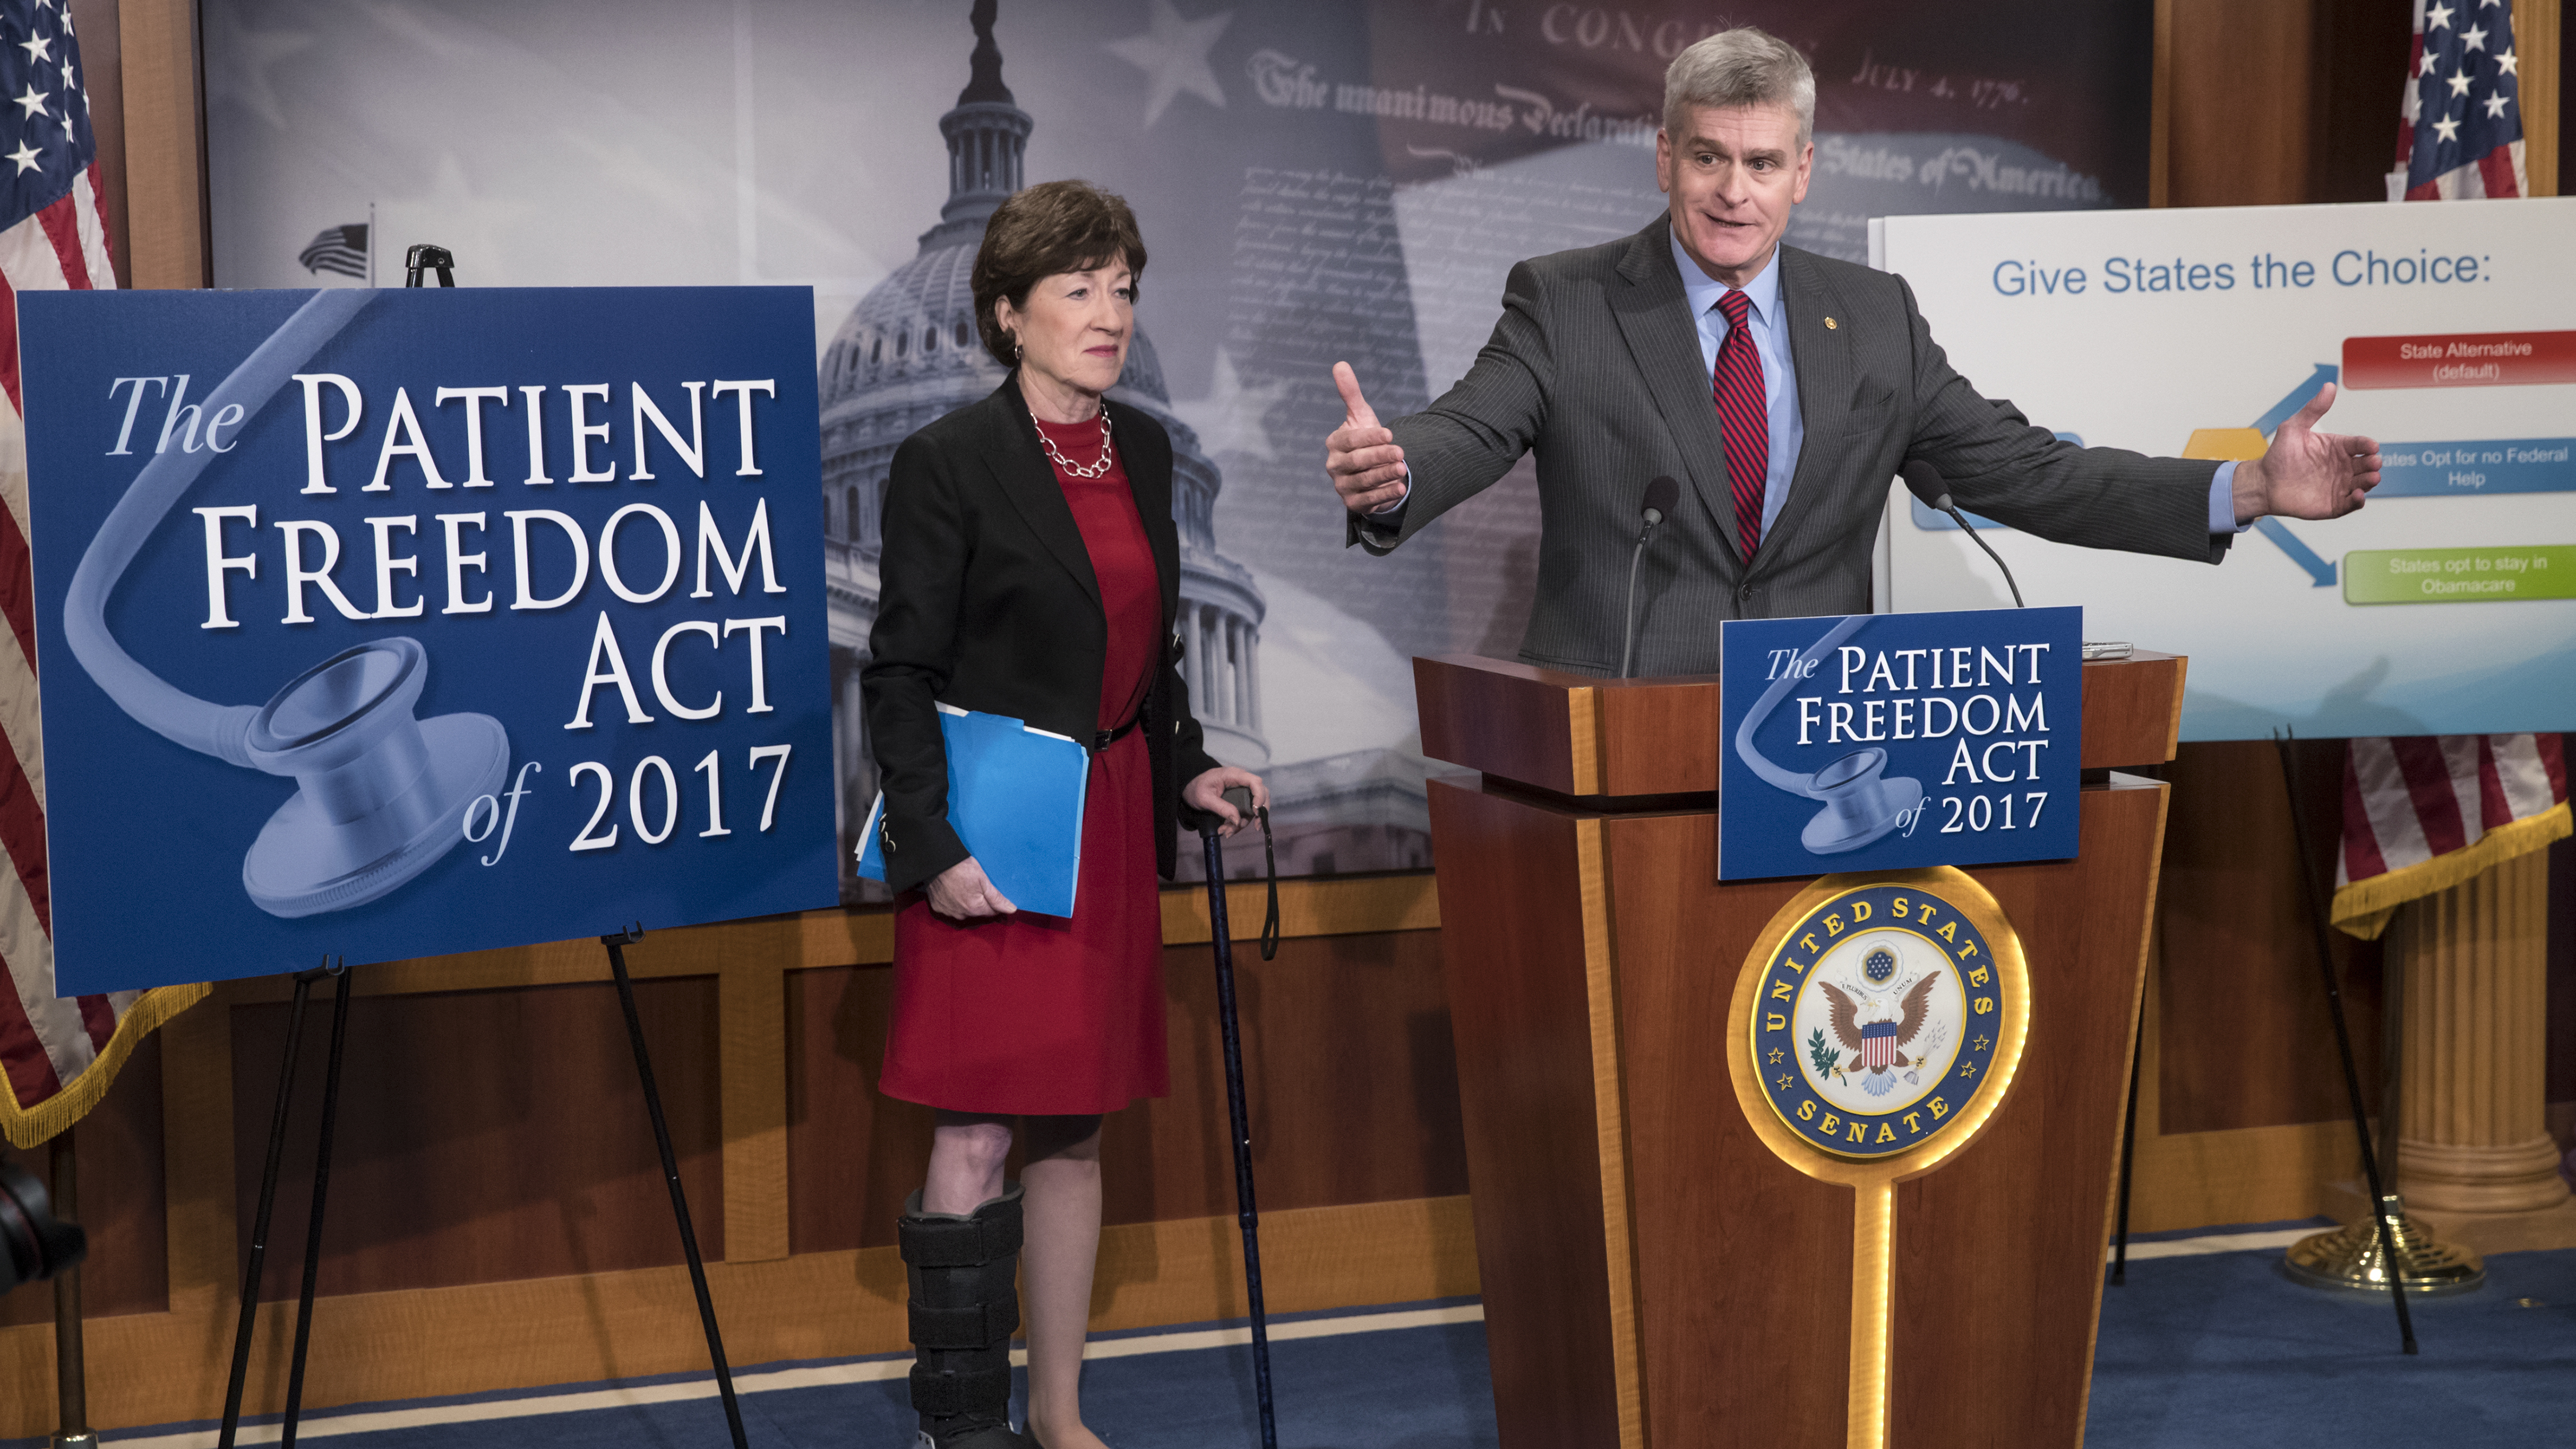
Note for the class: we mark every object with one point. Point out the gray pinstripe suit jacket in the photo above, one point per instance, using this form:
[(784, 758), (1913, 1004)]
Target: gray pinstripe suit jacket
[(1596, 364)]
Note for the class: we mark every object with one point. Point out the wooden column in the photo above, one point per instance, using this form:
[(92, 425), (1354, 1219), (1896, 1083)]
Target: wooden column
[(2473, 1136)]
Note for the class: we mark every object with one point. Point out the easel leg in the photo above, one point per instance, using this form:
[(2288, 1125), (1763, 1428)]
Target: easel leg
[(2343, 1043), (2128, 1155), (71, 1369), (259, 1224), (617, 944), (313, 1221)]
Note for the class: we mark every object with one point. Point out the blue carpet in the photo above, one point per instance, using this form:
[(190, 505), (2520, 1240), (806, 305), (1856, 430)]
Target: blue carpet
[(2223, 1349), (2217, 1349)]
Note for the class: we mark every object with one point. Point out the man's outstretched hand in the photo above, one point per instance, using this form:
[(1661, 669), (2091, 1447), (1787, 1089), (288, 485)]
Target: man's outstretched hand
[(2305, 473), (1366, 466)]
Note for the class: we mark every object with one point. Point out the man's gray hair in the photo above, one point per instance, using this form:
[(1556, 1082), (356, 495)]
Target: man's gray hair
[(1740, 67)]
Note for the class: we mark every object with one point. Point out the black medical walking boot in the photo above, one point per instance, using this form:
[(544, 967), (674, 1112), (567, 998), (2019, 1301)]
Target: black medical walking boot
[(965, 1306)]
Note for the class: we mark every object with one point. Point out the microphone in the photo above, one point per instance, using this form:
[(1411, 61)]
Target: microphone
[(1924, 481), (1661, 494)]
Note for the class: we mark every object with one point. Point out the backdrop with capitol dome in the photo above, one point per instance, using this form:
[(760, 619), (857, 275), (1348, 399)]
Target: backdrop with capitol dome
[(1315, 182)]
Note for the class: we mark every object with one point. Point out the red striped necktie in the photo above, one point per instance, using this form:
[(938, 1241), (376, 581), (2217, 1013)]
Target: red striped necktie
[(1744, 418)]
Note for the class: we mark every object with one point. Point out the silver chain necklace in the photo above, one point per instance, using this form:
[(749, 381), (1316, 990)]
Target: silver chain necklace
[(1071, 468)]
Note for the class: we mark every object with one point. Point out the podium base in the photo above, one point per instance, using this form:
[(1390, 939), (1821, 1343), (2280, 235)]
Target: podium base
[(2349, 1259)]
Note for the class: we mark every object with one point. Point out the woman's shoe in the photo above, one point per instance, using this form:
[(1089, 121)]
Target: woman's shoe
[(965, 1305)]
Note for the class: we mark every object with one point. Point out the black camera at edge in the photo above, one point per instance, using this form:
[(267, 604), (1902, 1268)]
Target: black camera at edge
[(34, 1244)]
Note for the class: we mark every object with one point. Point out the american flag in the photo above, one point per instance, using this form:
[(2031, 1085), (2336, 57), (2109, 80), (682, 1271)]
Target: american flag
[(341, 249), (2424, 814), (2460, 126), (57, 1056)]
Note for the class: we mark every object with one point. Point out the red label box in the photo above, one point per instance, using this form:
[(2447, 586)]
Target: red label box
[(2460, 359)]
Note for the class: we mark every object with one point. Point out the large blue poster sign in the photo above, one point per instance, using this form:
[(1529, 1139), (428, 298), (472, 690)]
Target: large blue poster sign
[(389, 624), (1888, 741)]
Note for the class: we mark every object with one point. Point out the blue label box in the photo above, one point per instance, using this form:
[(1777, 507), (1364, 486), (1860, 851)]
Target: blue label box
[(384, 624), (1892, 741)]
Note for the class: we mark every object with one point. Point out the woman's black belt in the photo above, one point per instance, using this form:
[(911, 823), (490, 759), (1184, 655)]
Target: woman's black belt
[(1105, 738)]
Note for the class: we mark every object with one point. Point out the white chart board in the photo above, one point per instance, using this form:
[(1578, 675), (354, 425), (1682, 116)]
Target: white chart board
[(2448, 605)]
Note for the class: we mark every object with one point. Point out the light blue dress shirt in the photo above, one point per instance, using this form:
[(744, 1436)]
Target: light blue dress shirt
[(1780, 383), (1779, 378), (1780, 390)]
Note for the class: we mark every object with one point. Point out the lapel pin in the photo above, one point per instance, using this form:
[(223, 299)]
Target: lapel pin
[(1829, 324)]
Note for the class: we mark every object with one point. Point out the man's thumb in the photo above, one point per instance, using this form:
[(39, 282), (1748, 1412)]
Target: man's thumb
[(1348, 383), (2316, 408)]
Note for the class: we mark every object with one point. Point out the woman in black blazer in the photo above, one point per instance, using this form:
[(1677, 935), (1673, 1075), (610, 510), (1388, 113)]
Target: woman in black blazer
[(1030, 569)]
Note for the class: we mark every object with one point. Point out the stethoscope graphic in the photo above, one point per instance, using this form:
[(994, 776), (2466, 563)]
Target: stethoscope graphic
[(1861, 805), (380, 795)]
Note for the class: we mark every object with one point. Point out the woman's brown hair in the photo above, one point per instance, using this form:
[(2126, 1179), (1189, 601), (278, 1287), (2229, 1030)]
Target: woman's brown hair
[(1047, 229)]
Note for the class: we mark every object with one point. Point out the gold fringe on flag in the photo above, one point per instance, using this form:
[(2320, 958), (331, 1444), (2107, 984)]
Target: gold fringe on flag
[(28, 1127), (2365, 907)]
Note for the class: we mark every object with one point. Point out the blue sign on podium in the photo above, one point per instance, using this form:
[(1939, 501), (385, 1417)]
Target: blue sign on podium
[(392, 624), (1888, 741)]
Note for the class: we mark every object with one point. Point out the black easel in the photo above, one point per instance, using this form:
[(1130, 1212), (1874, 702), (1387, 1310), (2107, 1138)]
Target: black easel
[(268, 1198), (71, 1371), (425, 257), (421, 258), (2343, 1043), (617, 942)]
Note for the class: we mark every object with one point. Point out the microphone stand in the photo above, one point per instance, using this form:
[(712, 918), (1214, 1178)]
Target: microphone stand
[(1628, 635), (1946, 506)]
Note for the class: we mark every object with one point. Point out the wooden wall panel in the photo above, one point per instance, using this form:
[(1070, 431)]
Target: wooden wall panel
[(165, 142), (1347, 1064), (2239, 104), (2244, 1034), (122, 1201), (2357, 66), (103, 76), (483, 1136)]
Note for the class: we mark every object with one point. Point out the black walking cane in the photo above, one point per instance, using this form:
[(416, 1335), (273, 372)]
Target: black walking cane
[(1246, 1212)]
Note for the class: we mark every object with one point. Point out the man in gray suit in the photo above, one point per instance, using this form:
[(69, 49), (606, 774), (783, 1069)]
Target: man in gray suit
[(1783, 389)]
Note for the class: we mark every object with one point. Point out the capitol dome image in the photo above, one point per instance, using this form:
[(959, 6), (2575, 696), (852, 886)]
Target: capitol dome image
[(907, 355)]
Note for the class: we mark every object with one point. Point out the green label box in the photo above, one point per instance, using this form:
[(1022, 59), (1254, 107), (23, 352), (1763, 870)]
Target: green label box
[(2459, 575)]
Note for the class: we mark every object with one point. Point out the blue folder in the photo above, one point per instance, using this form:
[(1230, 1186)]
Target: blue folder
[(1015, 798)]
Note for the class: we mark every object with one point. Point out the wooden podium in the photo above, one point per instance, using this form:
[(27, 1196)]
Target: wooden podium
[(1653, 1274)]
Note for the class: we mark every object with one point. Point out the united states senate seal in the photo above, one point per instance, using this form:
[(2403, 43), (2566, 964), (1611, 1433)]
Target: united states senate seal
[(1877, 1020)]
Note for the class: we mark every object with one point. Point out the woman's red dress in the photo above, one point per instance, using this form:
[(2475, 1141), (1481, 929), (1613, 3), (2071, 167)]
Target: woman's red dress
[(1044, 1015)]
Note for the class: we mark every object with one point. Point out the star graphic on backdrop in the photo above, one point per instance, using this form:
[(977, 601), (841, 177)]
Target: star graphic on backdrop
[(38, 47), (1785, 1083), (2431, 57), (2437, 18), (1228, 419), (1775, 1056), (2447, 128), (2475, 38), (1174, 53), (33, 102), (1982, 1043), (26, 157), (2495, 106), (1967, 1069), (2508, 64)]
